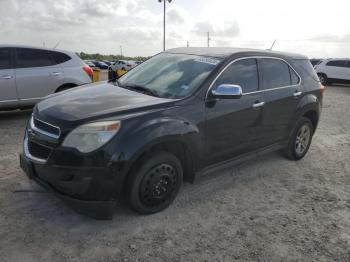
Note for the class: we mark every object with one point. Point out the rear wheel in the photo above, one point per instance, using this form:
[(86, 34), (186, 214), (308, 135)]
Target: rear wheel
[(323, 79), (300, 140), (154, 185)]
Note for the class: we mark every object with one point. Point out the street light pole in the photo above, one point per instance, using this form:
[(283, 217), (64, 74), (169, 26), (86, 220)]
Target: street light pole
[(164, 20)]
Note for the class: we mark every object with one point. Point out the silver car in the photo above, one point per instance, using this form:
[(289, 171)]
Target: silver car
[(28, 74)]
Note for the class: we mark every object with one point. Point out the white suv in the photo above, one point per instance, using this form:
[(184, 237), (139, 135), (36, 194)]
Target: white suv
[(334, 70), (123, 65), (28, 74)]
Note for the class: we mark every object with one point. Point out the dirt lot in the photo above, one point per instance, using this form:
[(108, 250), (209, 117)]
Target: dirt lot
[(267, 209)]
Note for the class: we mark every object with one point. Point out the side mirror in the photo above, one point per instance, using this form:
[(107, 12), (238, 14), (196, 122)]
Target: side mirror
[(227, 91)]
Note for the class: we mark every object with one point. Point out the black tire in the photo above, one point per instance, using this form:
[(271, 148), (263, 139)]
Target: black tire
[(155, 183), (296, 149), (323, 79)]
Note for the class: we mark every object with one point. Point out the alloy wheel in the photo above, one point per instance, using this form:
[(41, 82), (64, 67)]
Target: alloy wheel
[(303, 139)]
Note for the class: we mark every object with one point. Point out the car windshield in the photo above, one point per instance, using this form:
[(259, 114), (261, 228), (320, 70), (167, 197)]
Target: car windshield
[(170, 75)]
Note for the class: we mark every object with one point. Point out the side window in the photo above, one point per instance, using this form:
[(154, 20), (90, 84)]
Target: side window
[(275, 73), (244, 73), (338, 63), (27, 57), (59, 57), (294, 77), (5, 58)]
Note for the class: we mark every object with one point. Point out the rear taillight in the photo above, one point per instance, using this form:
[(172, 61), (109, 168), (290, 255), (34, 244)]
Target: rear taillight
[(88, 71), (322, 89)]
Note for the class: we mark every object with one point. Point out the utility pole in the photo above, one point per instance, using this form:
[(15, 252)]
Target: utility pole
[(164, 20), (208, 39), (188, 44), (121, 51)]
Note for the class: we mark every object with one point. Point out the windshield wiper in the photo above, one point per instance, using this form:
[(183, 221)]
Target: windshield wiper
[(141, 89)]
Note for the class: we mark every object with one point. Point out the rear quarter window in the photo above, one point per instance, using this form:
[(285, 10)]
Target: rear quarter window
[(59, 57), (295, 80), (306, 71)]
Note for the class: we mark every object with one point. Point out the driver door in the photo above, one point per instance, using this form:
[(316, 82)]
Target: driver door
[(231, 124)]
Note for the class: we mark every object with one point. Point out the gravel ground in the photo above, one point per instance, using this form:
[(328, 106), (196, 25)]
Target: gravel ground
[(266, 209)]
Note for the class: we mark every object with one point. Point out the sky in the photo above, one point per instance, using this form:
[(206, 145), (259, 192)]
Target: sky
[(315, 28)]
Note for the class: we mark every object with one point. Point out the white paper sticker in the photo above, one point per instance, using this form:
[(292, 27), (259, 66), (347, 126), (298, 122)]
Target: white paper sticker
[(208, 60)]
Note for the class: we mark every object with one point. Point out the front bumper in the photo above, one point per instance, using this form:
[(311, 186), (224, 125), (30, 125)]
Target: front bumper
[(83, 189)]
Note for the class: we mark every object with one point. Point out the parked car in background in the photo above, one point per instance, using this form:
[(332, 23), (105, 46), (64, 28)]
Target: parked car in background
[(100, 64), (28, 74), (181, 114), (334, 71), (90, 63), (315, 61), (107, 62), (124, 65)]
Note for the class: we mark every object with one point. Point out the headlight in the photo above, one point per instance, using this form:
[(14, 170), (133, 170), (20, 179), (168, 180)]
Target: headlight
[(89, 137)]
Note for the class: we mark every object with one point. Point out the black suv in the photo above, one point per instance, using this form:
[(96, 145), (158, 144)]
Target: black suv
[(182, 113)]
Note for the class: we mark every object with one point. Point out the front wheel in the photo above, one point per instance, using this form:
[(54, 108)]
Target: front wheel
[(154, 184), (300, 140)]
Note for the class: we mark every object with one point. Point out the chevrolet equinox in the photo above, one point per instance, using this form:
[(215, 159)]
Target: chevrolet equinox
[(181, 114)]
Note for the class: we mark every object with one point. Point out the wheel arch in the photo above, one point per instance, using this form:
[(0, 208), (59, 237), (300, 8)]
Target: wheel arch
[(175, 136), (313, 116), (310, 107), (65, 86)]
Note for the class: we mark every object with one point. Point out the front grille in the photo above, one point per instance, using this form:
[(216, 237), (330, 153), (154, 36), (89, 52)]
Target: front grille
[(46, 127), (38, 151)]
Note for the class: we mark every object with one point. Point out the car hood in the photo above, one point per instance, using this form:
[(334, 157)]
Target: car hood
[(95, 101)]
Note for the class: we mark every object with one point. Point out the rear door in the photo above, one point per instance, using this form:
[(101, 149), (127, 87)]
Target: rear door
[(231, 123), (282, 92), (37, 74), (336, 69), (8, 92)]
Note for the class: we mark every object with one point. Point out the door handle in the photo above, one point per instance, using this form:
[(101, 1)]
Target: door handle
[(56, 73), (296, 94), (258, 104), (7, 77)]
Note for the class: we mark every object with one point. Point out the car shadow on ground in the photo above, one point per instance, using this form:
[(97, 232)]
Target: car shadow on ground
[(15, 114)]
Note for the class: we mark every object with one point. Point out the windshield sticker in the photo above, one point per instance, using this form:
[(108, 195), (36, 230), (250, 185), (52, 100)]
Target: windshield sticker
[(207, 60)]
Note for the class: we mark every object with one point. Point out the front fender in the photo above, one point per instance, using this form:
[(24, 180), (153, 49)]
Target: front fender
[(161, 130), (141, 138)]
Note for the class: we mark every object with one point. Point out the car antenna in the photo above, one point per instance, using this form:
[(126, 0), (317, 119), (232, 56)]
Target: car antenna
[(56, 45), (274, 41)]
